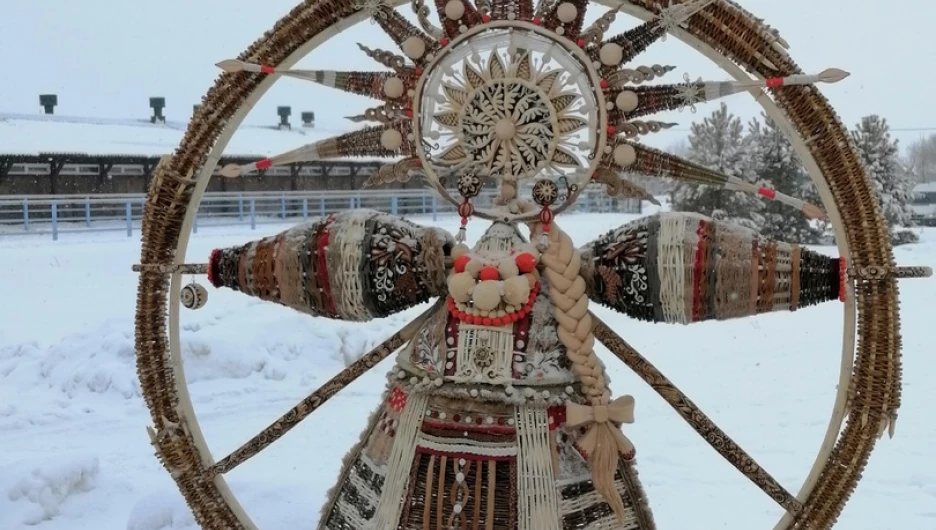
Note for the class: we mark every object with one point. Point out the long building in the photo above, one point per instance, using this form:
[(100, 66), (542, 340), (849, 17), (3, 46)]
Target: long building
[(52, 155)]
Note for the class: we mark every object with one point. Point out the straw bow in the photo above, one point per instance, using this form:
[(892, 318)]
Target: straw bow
[(621, 410)]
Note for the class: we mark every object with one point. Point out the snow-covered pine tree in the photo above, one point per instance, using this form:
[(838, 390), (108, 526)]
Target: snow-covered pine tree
[(719, 143), (892, 182), (776, 165)]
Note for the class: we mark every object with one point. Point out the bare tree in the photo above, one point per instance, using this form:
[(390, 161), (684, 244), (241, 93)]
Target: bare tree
[(921, 159)]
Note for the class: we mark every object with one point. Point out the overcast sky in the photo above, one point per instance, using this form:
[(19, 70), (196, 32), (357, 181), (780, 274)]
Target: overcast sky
[(107, 57)]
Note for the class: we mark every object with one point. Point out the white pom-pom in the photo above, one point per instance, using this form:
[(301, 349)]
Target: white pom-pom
[(486, 295), (461, 286)]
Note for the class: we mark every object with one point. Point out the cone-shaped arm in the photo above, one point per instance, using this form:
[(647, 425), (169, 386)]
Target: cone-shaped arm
[(678, 267), (355, 265)]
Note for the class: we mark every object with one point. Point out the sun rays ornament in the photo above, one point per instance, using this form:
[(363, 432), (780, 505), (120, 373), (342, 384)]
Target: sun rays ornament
[(497, 413)]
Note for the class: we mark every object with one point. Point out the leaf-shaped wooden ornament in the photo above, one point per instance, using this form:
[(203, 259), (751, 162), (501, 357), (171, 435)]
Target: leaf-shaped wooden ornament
[(496, 66), (472, 76), (523, 69), (447, 119), (455, 153), (562, 101), (571, 124), (564, 158), (548, 81), (457, 95)]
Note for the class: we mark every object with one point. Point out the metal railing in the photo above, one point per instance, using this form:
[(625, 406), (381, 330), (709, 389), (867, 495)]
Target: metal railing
[(62, 214)]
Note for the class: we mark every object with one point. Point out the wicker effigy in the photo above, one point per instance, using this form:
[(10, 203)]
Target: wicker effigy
[(497, 413)]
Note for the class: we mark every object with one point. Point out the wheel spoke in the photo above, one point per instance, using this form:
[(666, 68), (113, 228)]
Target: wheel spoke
[(644, 160), (696, 419), (414, 43), (568, 15), (633, 102), (316, 399), (389, 87), (456, 13), (385, 141), (628, 45)]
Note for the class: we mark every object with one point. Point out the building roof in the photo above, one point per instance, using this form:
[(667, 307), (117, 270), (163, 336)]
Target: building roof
[(22, 134)]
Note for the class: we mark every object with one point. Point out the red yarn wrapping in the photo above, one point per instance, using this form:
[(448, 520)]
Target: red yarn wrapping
[(213, 265)]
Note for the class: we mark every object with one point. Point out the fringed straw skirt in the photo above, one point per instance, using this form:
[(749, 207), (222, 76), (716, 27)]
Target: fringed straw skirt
[(429, 462)]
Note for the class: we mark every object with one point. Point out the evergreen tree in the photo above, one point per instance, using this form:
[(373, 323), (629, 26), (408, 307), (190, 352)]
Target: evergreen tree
[(891, 180), (775, 163), (719, 143)]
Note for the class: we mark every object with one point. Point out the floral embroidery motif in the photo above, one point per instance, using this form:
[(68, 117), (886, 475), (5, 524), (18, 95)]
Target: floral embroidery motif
[(621, 266)]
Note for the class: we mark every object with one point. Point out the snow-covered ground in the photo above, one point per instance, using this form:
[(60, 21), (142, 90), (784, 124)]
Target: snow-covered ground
[(75, 453)]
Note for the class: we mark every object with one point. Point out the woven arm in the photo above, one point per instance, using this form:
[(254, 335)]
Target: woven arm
[(681, 267), (355, 265)]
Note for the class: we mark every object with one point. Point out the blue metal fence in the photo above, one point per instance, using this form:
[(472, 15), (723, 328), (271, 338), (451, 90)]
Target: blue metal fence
[(60, 214)]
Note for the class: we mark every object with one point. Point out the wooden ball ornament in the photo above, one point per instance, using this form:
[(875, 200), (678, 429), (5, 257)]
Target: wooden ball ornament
[(414, 47), (454, 9), (611, 54), (626, 101), (566, 12), (193, 296), (394, 88), (625, 155), (391, 139)]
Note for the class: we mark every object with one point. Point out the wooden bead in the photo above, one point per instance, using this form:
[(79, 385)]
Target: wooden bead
[(393, 87), (455, 9), (193, 296), (566, 12), (626, 101), (611, 54), (414, 47), (391, 139), (625, 155)]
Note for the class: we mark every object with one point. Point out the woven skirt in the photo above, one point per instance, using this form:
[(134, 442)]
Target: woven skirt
[(428, 462)]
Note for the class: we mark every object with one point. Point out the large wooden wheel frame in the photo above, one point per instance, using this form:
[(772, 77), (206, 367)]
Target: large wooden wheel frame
[(869, 384)]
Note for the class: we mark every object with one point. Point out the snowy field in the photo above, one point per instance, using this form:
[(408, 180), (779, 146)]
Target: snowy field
[(75, 453)]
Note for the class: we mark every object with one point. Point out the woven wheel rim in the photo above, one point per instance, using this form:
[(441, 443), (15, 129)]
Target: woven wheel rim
[(870, 377)]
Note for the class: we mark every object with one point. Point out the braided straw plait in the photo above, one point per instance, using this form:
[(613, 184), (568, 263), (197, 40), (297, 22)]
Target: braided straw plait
[(561, 264)]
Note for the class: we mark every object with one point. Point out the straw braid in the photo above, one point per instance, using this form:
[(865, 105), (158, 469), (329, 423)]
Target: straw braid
[(562, 264)]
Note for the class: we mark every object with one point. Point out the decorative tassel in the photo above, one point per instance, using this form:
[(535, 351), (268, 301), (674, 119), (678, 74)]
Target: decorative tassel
[(469, 186), (545, 217), (465, 210)]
